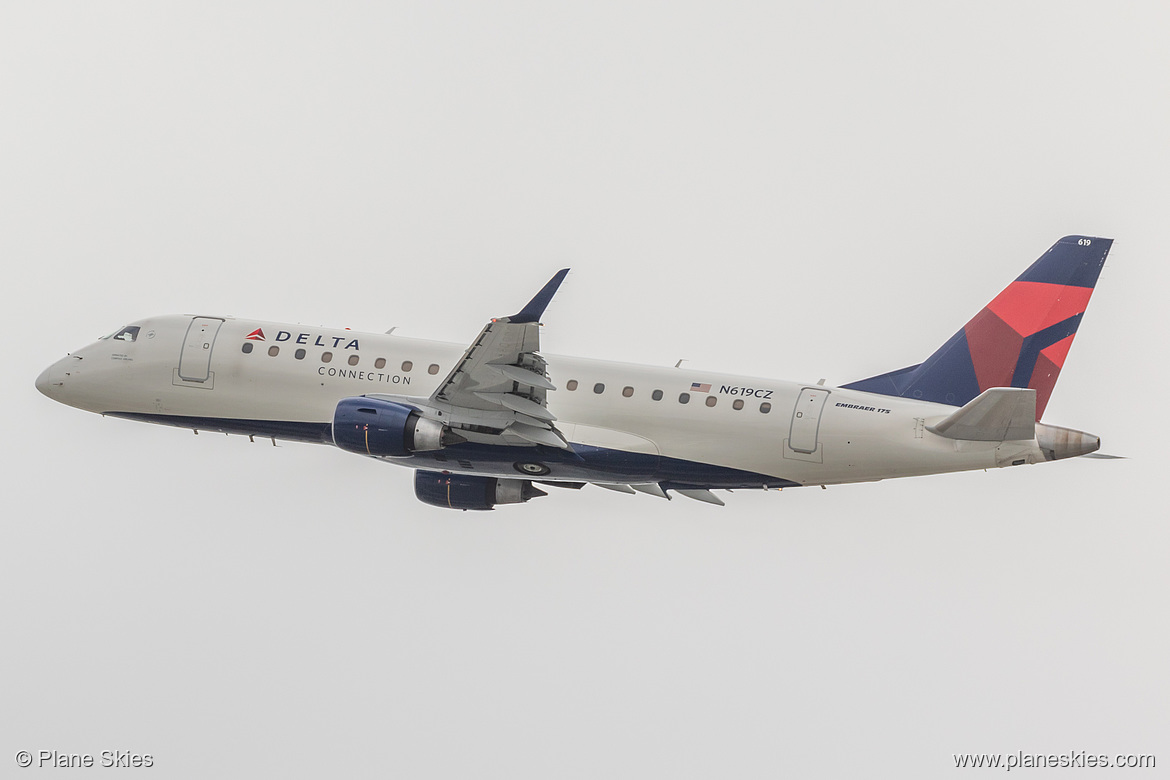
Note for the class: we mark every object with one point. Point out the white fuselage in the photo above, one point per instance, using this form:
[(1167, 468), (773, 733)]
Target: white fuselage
[(799, 433)]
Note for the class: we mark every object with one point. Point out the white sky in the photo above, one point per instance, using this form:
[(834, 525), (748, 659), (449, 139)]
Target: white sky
[(783, 190)]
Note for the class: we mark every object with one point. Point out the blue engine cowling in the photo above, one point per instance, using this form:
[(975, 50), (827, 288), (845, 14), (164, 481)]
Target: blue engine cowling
[(369, 426), (465, 491)]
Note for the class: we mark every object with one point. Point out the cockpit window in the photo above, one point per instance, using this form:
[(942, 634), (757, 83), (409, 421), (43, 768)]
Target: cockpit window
[(128, 333)]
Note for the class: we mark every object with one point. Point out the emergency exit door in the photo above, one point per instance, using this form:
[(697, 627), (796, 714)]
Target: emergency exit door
[(806, 419), (195, 359)]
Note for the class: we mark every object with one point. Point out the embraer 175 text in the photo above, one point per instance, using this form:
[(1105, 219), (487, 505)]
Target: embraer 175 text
[(484, 425)]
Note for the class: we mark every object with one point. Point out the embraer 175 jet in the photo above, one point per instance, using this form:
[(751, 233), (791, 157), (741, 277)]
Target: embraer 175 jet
[(485, 425)]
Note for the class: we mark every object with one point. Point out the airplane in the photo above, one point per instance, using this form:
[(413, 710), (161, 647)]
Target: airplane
[(492, 423)]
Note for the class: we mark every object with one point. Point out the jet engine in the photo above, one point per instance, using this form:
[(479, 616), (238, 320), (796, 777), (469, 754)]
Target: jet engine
[(369, 426), (464, 491)]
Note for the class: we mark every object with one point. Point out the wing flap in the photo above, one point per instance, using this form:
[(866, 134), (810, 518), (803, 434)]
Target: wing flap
[(523, 376), (518, 403), (534, 435)]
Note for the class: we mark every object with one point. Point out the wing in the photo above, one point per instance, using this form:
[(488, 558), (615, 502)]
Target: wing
[(498, 388)]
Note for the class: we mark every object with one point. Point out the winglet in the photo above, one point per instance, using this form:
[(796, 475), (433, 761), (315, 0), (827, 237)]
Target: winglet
[(533, 311)]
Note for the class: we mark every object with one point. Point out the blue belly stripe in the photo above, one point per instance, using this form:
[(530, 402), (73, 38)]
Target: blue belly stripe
[(582, 463)]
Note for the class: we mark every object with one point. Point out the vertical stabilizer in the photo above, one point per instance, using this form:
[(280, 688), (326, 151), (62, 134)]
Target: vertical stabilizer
[(1020, 339)]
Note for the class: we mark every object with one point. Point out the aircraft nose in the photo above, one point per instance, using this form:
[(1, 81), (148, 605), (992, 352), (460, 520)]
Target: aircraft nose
[(51, 379), (43, 381)]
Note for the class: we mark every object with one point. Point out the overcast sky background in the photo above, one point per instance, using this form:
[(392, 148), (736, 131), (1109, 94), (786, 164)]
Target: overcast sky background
[(792, 190)]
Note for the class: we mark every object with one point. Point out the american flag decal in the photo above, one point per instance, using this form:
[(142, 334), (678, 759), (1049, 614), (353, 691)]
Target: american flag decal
[(700, 388)]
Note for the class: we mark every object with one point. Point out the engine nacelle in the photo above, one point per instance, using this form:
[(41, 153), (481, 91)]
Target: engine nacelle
[(464, 491), (369, 426)]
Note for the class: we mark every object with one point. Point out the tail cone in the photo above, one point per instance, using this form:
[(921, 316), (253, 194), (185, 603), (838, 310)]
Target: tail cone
[(1059, 443)]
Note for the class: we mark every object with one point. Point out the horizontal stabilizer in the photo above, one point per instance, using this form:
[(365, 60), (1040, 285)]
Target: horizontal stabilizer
[(997, 414)]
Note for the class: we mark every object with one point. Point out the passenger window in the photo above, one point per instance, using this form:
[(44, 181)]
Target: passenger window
[(737, 403), (711, 400), (599, 388), (627, 391), (433, 368), (299, 354), (247, 348), (406, 366), (571, 384), (656, 395), (273, 351), (353, 360), (326, 357), (380, 363), (128, 333), (684, 398), (765, 407)]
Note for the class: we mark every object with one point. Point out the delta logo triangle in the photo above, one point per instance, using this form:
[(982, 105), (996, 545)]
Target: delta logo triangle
[(256, 335)]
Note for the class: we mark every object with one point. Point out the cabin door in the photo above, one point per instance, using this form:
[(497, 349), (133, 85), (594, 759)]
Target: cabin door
[(806, 419), (195, 359)]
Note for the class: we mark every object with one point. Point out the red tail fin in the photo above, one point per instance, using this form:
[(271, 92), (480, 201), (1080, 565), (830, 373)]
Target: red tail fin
[(1020, 339)]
